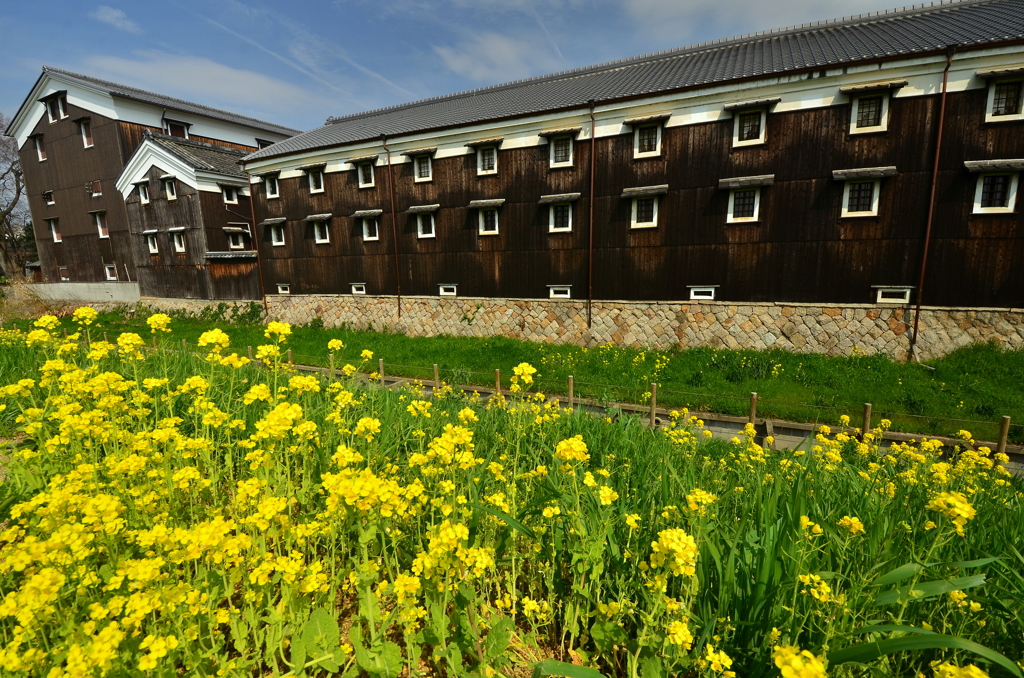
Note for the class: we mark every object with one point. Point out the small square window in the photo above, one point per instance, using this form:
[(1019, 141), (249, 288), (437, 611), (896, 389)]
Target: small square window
[(99, 220), (270, 185), (54, 229), (425, 225), (448, 290), (236, 241), (423, 168), (85, 129), (647, 141), (151, 242), (179, 241), (111, 271), (560, 218), (893, 295), (559, 291), (277, 235), (170, 189), (487, 160), (230, 195), (702, 293), (96, 188), (176, 129), (62, 271), (860, 198), (321, 233), (283, 288), (57, 108), (365, 170), (358, 288), (561, 151), (749, 127), (488, 221), (40, 147), (143, 191), (744, 204), (316, 181), (48, 198), (869, 113), (1006, 98), (371, 228), (645, 212), (995, 193)]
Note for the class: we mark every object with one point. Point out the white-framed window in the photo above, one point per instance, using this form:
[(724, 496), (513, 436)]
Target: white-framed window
[(263, 143), (561, 154), (143, 191), (270, 186), (870, 113), (111, 271), (321, 233), (749, 127), (996, 193), (371, 228), (99, 220), (365, 172), (230, 194), (236, 241), (316, 180), (48, 198), (1005, 100), (54, 229), (423, 168), (487, 220), (560, 217), (176, 129), (860, 198), (645, 212), (425, 225), (178, 238), (284, 288), (487, 160), (151, 242), (358, 288), (37, 141), (97, 188), (57, 108), (62, 272), (744, 205), (702, 293), (448, 290), (559, 291), (170, 189), (647, 141), (277, 235), (85, 129), (893, 295)]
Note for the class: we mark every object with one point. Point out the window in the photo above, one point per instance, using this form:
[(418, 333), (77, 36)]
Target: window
[(487, 160), (560, 218), (321, 234), (111, 271), (170, 189), (645, 212), (561, 151), (263, 143), (179, 241), (176, 129), (365, 175), (744, 204), (48, 198), (143, 190), (371, 230), (447, 290), (425, 225), (559, 291), (236, 240), (57, 107), (488, 221), (40, 147), (230, 195), (316, 181), (995, 193), (62, 271), (54, 229), (284, 288), (270, 184), (869, 113), (85, 129), (749, 127), (647, 141), (277, 235), (358, 288), (151, 242), (893, 295), (699, 293), (97, 188), (99, 220), (860, 198), (423, 168), (1005, 99)]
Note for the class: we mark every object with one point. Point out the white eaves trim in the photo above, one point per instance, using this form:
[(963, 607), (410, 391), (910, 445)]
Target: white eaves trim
[(150, 154)]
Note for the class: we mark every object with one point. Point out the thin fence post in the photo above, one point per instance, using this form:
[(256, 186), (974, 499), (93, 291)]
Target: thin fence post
[(1004, 432), (654, 404), (571, 394), (330, 359), (753, 407), (381, 370), (437, 379), (250, 353), (154, 339), (184, 346), (106, 338), (65, 332), (289, 356), (497, 381), (867, 419)]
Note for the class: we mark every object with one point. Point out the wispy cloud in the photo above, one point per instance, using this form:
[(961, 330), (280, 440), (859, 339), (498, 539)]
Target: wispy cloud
[(116, 18), (491, 57)]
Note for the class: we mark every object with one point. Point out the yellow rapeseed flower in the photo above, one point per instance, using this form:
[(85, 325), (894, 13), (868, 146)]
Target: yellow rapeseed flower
[(796, 663)]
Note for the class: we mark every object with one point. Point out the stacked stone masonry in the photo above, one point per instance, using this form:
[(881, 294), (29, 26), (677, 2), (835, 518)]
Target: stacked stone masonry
[(805, 328)]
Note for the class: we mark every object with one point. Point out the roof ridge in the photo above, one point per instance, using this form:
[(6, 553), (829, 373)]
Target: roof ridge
[(193, 142), (61, 71), (709, 45)]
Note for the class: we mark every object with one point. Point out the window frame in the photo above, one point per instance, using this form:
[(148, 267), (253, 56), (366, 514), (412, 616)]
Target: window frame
[(905, 299), (85, 130), (876, 192), (183, 125), (142, 189), (656, 153), (53, 222), (481, 222), (170, 189), (326, 240), (99, 220), (266, 188), (730, 218), (633, 223), (62, 273), (48, 197), (275, 230), (480, 172), (284, 288), (883, 125), (762, 137), (554, 164), (178, 242), (241, 241), (373, 174), (358, 288), (552, 221), (152, 243), (225, 191), (699, 292), (309, 180), (107, 268), (62, 107), (1011, 194), (554, 291), (96, 184), (40, 147), (441, 290), (990, 100), (429, 217), (416, 168), (376, 229)]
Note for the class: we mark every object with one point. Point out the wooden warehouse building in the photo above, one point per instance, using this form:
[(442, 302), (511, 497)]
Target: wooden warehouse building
[(793, 165)]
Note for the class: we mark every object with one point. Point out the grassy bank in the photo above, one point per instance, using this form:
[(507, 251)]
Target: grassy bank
[(968, 389)]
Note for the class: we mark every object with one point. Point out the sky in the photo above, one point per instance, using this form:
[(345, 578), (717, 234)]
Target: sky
[(297, 63)]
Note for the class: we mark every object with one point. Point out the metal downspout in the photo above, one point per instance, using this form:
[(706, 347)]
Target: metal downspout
[(590, 237), (394, 221)]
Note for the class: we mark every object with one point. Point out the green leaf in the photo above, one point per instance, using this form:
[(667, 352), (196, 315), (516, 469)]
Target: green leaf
[(886, 628), (505, 518), (929, 589), (550, 667), (869, 652), (389, 661), (498, 638), (899, 574), (298, 654), (967, 564), (607, 634), (321, 631), (651, 667)]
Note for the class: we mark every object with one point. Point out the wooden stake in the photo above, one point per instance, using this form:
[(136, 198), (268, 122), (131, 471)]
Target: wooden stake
[(867, 419), (753, 407), (154, 339), (1004, 432), (497, 381), (250, 353), (105, 338), (184, 346), (381, 364), (654, 404), (572, 396), (437, 379), (289, 356), (330, 360), (65, 332)]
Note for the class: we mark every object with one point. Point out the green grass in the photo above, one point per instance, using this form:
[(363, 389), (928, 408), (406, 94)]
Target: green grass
[(971, 388)]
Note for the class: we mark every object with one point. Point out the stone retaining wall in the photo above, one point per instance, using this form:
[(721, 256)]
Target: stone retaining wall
[(807, 328)]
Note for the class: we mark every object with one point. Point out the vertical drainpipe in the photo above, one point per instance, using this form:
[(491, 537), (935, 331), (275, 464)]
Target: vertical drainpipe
[(931, 201), (394, 221), (256, 244), (590, 211)]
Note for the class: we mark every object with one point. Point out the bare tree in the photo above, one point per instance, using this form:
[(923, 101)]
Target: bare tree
[(17, 242)]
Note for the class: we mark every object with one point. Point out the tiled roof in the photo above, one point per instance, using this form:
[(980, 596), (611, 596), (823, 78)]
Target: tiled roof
[(917, 29), (126, 92), (202, 156)]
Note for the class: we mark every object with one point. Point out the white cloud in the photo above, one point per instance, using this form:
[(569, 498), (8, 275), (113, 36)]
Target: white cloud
[(491, 58), (116, 18)]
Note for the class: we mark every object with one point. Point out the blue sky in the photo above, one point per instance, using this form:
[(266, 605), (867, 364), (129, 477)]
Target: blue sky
[(298, 63)]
